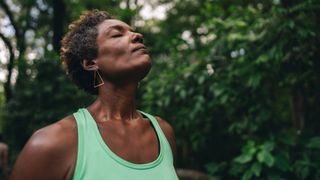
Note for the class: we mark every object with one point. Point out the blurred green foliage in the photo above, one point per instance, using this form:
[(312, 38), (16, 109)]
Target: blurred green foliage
[(44, 96), (239, 81), (243, 94)]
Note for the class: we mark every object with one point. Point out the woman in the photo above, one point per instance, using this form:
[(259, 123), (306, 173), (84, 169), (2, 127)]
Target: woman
[(110, 139)]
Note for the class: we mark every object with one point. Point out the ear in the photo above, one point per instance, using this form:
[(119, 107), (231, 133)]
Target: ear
[(89, 65)]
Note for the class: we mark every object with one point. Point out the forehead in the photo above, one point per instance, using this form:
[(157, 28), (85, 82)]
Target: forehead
[(109, 23)]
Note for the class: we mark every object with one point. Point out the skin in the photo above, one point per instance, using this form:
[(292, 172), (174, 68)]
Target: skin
[(4, 158), (51, 151)]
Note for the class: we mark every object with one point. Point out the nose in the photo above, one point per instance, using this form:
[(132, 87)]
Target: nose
[(137, 38)]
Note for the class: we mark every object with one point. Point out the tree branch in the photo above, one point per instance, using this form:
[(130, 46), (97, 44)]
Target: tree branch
[(7, 42), (6, 9), (7, 85)]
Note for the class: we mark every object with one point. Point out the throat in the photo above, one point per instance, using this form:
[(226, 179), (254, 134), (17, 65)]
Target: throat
[(121, 111)]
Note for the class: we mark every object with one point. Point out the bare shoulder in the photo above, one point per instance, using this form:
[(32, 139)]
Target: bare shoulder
[(50, 150), (165, 126), (170, 135), (54, 136)]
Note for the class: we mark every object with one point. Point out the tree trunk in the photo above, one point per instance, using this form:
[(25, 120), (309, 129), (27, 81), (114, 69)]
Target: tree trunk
[(297, 109), (59, 17)]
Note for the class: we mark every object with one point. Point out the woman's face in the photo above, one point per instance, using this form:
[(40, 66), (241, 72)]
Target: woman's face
[(121, 52)]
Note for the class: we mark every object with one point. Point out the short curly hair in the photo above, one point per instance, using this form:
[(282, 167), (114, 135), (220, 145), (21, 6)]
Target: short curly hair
[(78, 44)]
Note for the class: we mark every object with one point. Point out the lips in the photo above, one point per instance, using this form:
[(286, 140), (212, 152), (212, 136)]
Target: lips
[(140, 48)]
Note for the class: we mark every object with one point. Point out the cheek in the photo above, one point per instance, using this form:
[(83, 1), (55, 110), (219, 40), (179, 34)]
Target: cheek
[(113, 58), (114, 51)]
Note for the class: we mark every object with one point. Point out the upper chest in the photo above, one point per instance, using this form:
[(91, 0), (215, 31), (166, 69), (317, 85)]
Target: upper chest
[(136, 144)]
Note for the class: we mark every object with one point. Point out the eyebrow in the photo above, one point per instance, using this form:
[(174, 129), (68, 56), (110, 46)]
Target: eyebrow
[(119, 28)]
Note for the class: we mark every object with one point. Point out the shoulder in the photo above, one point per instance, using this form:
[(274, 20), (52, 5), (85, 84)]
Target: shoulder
[(170, 135), (50, 150), (166, 127), (54, 136), (3, 146)]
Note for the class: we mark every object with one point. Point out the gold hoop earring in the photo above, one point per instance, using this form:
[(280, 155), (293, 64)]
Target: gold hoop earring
[(95, 77)]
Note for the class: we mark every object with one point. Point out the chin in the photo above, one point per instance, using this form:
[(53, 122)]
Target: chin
[(145, 67), (142, 67)]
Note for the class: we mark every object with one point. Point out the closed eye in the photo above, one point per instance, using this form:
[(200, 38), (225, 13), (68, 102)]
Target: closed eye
[(116, 35)]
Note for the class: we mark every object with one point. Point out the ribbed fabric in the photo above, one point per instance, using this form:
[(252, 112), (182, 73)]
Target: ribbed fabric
[(96, 161)]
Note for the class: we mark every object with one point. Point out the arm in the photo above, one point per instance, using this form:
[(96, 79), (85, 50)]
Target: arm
[(170, 135), (46, 155)]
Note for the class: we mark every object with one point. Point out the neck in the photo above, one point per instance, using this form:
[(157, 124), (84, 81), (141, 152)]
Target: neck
[(115, 102)]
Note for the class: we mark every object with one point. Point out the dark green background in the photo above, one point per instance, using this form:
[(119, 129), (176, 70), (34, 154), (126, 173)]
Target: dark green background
[(239, 81)]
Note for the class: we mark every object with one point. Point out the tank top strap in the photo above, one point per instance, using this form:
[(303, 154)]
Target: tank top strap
[(81, 128), (154, 122), (160, 132)]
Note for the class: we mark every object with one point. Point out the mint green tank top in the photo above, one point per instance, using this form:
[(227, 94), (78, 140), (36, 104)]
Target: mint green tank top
[(96, 161)]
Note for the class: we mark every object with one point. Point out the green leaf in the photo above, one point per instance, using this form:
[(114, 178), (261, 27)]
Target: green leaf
[(287, 139), (256, 169), (183, 93), (254, 81), (314, 143), (291, 24), (282, 162), (247, 175), (268, 146), (201, 79), (266, 158), (243, 158)]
